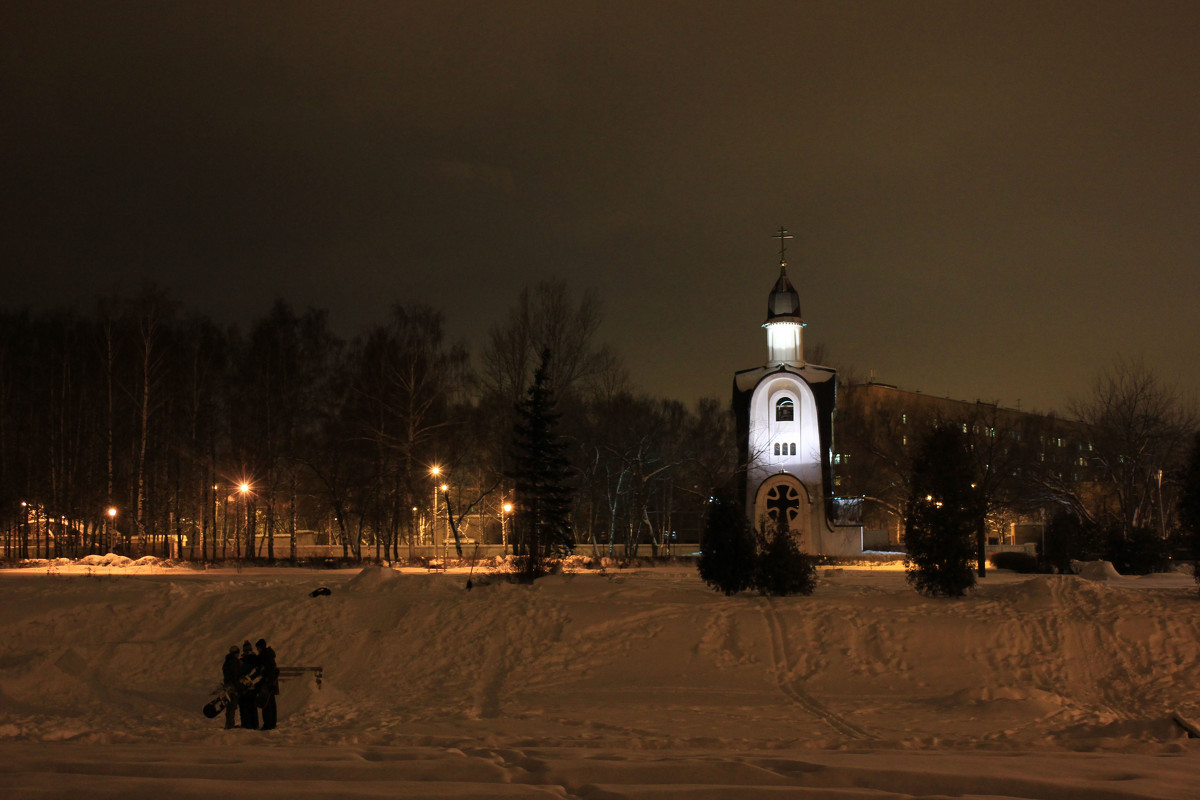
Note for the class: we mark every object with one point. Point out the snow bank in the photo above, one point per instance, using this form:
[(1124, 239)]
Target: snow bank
[(108, 560)]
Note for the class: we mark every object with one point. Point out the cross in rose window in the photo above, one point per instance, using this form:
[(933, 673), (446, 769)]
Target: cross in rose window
[(783, 499)]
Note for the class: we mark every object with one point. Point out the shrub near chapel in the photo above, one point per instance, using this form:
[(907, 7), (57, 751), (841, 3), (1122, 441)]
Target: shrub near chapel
[(734, 557), (942, 516), (727, 551)]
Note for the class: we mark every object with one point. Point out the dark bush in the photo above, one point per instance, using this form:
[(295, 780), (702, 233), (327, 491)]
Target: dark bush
[(1015, 561), (1065, 539), (1139, 551), (783, 568), (1189, 506), (727, 550)]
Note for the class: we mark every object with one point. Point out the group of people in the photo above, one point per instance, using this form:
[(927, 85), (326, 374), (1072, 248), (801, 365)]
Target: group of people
[(251, 680)]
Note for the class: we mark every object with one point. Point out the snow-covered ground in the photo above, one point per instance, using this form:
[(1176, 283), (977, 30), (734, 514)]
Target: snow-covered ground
[(627, 684)]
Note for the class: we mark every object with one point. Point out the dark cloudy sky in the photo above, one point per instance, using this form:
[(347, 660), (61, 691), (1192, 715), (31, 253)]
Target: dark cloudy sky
[(990, 200)]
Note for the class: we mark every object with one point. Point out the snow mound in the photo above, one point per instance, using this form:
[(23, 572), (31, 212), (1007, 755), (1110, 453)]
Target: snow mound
[(1031, 595), (106, 560), (1095, 570), (998, 700), (1121, 734), (370, 578)]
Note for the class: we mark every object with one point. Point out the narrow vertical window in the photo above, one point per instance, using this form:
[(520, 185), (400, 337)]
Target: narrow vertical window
[(793, 448), (777, 448), (785, 411)]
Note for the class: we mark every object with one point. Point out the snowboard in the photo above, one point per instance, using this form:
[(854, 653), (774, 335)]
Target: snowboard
[(226, 694), (220, 699)]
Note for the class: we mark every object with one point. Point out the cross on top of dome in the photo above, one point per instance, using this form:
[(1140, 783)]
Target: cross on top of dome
[(783, 304)]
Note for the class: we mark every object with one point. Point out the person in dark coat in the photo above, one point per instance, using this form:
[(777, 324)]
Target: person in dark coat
[(231, 673), (247, 704), (268, 687)]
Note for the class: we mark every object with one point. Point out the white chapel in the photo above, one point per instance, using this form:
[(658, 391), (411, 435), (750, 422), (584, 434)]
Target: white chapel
[(784, 411)]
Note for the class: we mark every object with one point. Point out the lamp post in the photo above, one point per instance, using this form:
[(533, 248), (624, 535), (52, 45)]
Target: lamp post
[(443, 487), (243, 491), (413, 523), (435, 471), (212, 536), (110, 516), (505, 510)]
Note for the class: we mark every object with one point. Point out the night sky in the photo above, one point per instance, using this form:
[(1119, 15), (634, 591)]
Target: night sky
[(989, 200)]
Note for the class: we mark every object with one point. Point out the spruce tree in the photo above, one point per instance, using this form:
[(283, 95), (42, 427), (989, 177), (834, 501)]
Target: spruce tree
[(942, 516), (1189, 504), (541, 472), (782, 567), (728, 556)]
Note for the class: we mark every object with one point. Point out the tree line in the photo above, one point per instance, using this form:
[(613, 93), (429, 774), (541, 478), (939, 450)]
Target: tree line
[(139, 426)]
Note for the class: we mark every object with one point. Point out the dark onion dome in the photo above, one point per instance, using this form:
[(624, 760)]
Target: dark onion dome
[(784, 302)]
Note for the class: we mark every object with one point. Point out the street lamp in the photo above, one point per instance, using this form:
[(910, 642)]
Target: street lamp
[(244, 490), (435, 471), (506, 509), (111, 515), (444, 487)]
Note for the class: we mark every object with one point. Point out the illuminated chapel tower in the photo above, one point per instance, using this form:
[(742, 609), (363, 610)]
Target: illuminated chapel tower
[(784, 413)]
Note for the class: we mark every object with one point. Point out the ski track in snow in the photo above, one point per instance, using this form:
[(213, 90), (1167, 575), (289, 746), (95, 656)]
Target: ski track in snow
[(638, 684), (794, 688)]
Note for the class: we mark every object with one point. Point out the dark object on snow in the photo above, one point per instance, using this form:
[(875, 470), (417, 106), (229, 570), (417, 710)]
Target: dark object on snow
[(322, 592)]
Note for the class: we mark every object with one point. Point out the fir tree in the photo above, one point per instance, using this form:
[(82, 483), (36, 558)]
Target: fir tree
[(782, 567), (1189, 504), (727, 552), (541, 524), (942, 516), (1063, 541)]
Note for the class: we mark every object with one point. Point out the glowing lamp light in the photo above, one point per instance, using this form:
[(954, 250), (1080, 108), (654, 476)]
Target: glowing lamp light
[(435, 471), (244, 487), (508, 508), (444, 487), (112, 512)]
